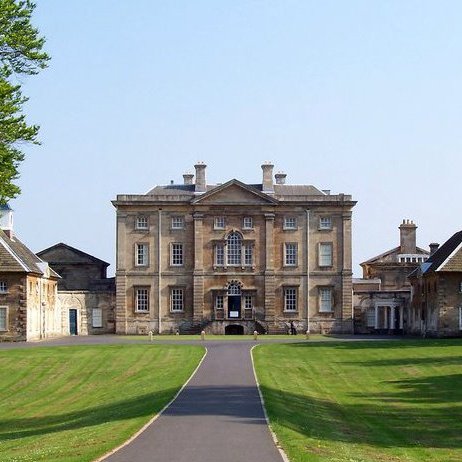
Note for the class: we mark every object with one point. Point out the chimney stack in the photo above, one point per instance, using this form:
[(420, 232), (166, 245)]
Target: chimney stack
[(200, 177), (408, 236), (6, 220), (188, 178), (268, 186), (433, 248), (280, 178)]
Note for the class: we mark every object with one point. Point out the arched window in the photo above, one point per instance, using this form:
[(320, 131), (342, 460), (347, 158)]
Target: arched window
[(234, 289), (234, 248)]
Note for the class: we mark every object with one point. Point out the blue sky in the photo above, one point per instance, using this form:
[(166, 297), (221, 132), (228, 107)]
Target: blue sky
[(360, 97)]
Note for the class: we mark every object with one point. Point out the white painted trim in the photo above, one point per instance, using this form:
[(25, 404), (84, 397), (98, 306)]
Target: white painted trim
[(273, 435), (142, 429), (449, 257)]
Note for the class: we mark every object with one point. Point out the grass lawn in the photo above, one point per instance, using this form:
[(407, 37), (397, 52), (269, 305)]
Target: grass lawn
[(75, 403), (365, 401), (223, 338)]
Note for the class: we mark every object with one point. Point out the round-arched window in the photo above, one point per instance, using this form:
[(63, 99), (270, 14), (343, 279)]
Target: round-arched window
[(234, 248)]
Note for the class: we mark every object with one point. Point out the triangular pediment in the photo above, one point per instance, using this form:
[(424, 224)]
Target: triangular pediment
[(65, 254), (234, 192)]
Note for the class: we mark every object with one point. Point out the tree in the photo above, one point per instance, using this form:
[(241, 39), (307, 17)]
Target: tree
[(20, 54)]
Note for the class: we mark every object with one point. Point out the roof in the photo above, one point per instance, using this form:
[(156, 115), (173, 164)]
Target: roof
[(395, 251), (17, 258), (47, 255), (447, 258)]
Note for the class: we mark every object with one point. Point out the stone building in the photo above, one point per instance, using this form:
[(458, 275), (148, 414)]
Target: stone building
[(437, 291), (233, 257), (28, 289), (382, 297), (86, 296)]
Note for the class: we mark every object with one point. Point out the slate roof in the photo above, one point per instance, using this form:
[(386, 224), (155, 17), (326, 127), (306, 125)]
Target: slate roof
[(16, 257), (442, 259), (61, 245)]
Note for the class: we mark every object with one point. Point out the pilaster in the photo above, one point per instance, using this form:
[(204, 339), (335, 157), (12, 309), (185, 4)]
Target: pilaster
[(270, 283), (198, 277)]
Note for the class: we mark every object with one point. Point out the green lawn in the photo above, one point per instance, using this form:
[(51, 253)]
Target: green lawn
[(261, 338), (365, 401), (75, 403)]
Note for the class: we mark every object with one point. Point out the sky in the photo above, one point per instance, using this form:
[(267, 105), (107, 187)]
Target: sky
[(359, 97)]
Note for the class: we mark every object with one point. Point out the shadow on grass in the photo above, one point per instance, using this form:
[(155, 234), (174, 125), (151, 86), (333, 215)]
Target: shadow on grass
[(405, 418), (141, 406), (239, 403)]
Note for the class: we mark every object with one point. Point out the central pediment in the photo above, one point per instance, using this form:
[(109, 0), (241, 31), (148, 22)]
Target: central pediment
[(234, 192)]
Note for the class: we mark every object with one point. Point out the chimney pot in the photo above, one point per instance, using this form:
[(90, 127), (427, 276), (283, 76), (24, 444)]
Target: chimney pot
[(434, 246), (408, 237), (188, 178), (280, 178)]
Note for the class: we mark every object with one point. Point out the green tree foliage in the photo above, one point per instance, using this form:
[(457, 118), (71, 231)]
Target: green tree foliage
[(20, 54)]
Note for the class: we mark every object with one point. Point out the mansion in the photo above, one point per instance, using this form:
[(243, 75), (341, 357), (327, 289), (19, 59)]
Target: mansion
[(233, 257)]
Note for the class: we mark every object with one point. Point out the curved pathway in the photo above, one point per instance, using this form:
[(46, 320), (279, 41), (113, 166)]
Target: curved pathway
[(218, 417)]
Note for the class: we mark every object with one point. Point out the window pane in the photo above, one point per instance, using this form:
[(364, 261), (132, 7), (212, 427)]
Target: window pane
[(141, 254), (177, 254), (290, 223), (219, 223), (290, 299), (177, 222), (219, 302), (248, 223), (234, 289), (234, 249), (142, 222), (142, 300), (290, 254), (325, 299), (2, 318), (248, 302), (177, 299), (97, 317), (325, 223), (219, 255), (325, 254), (248, 255), (3, 287)]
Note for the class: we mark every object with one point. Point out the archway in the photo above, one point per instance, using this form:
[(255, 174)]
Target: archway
[(234, 329)]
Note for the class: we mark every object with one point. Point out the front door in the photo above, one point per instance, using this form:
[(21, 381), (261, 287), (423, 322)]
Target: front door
[(73, 321), (234, 306)]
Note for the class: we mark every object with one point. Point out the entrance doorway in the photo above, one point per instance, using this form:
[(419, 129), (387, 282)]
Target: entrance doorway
[(73, 321), (234, 329), (234, 301)]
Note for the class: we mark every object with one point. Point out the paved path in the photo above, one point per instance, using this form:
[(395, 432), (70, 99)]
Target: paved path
[(218, 417)]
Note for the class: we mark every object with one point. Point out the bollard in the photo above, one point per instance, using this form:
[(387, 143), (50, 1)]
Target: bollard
[(255, 335), (307, 334), (177, 332), (150, 335), (203, 335)]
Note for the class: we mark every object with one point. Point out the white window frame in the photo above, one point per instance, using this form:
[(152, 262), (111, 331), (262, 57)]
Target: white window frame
[(3, 287), (326, 259), (460, 317), (176, 299), (289, 223), (325, 222), (234, 249), (247, 254), (219, 254), (176, 254), (290, 254), (290, 299), (141, 222), (177, 222), (141, 254), (219, 223), (247, 223), (219, 302), (142, 299), (326, 299), (4, 319), (248, 301), (97, 317)]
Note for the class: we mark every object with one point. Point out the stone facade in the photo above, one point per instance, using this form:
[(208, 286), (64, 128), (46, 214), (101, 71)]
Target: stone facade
[(437, 292), (28, 289), (233, 257), (86, 296), (382, 297)]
